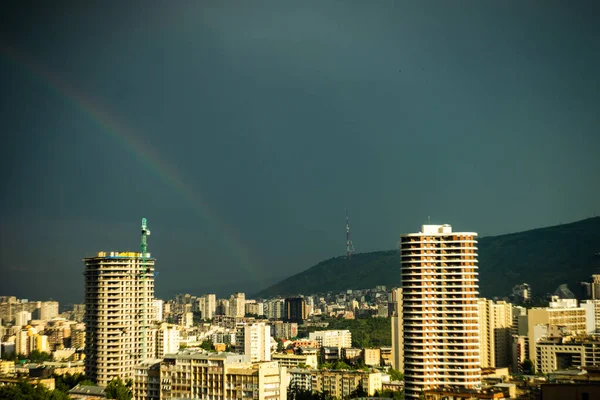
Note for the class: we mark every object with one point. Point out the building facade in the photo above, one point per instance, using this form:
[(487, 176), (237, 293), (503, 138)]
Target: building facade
[(295, 309), (257, 342), (440, 314), (221, 376), (237, 305), (333, 338), (565, 315), (495, 321), (397, 333), (119, 295)]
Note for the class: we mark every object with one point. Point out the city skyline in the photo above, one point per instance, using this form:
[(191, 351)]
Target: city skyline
[(243, 133)]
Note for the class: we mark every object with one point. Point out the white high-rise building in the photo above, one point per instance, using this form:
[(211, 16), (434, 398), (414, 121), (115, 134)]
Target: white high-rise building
[(22, 338), (167, 340), (22, 318), (274, 309), (210, 306), (157, 306), (440, 313), (237, 305), (592, 308), (48, 310), (257, 342), (119, 297)]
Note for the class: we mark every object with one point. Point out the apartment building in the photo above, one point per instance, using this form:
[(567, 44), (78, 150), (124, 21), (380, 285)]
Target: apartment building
[(495, 321), (295, 309), (332, 338), (48, 310), (592, 308), (209, 306), (119, 295), (274, 308), (22, 318), (284, 330), (397, 359), (257, 342), (146, 380), (561, 313), (237, 305), (168, 339), (569, 352), (296, 360), (341, 383), (440, 313), (371, 357), (220, 376)]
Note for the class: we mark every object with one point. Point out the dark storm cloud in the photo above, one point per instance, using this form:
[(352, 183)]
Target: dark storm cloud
[(280, 115)]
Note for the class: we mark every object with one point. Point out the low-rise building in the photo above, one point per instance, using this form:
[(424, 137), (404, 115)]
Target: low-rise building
[(146, 380), (7, 367), (341, 383), (295, 360), (220, 376), (332, 338), (352, 355), (567, 352), (372, 357)]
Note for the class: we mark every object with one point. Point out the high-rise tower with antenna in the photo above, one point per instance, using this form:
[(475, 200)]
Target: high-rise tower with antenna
[(349, 245), (119, 292)]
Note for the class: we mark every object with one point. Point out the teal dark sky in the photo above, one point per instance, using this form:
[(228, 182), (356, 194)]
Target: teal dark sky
[(279, 115)]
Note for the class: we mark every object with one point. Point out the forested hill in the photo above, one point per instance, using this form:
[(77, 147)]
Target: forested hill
[(544, 258)]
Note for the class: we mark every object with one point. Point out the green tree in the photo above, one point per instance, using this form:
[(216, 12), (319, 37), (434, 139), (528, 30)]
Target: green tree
[(395, 374), (207, 345), (37, 356), (527, 367), (23, 390), (66, 382), (297, 393), (358, 392), (280, 347), (118, 390)]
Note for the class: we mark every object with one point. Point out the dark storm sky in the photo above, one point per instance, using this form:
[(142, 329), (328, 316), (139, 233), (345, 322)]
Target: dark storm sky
[(242, 130)]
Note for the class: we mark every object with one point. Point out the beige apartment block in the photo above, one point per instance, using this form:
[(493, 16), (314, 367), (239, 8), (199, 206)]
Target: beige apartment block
[(48, 310), (146, 380), (332, 338), (221, 376), (440, 313), (567, 353), (341, 383), (571, 320), (495, 321), (119, 295), (296, 360), (372, 357), (397, 331)]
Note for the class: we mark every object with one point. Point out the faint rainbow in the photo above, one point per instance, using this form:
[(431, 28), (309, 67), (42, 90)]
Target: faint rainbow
[(144, 153)]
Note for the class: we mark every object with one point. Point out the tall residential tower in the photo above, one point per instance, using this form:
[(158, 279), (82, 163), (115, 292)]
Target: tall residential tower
[(119, 296), (439, 306)]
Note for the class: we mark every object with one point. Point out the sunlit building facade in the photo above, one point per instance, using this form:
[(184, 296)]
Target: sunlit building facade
[(119, 296), (439, 306)]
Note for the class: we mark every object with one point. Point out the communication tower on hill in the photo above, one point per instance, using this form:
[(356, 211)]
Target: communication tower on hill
[(349, 245)]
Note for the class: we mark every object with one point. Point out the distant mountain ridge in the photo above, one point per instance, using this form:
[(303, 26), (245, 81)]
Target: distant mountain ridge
[(544, 258)]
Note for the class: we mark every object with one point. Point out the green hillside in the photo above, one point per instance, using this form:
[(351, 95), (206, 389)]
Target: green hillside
[(544, 258)]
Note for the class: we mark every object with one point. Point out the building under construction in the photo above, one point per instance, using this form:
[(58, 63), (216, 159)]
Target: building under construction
[(119, 294)]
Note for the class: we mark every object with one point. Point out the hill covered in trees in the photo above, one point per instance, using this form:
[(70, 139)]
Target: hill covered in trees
[(545, 258)]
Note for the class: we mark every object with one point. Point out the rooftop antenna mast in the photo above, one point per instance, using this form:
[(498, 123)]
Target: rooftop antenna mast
[(349, 245), (144, 276)]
